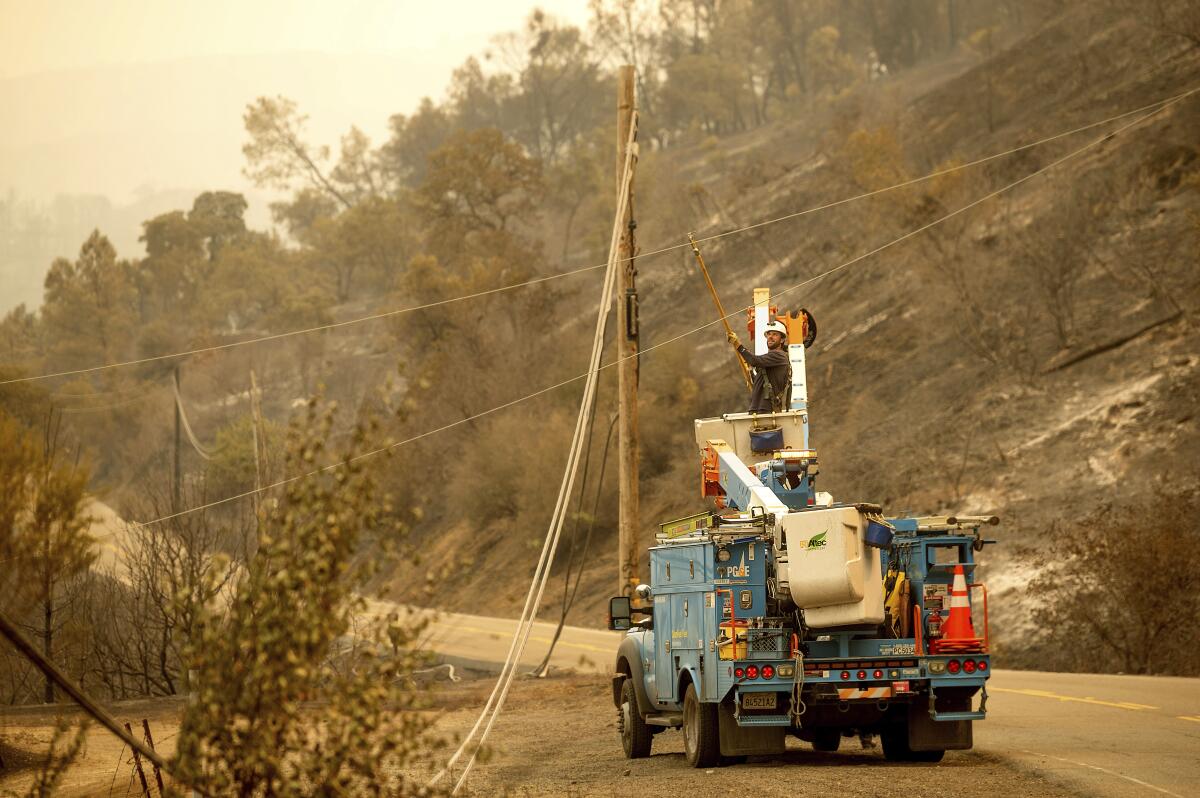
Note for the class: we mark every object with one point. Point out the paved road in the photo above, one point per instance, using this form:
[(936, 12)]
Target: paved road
[(485, 640), (1101, 735), (1109, 735)]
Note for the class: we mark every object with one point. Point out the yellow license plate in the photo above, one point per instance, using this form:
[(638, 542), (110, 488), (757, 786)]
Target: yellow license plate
[(758, 700)]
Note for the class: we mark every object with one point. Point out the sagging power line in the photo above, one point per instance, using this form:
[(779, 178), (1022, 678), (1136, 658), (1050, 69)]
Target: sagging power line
[(1157, 106)]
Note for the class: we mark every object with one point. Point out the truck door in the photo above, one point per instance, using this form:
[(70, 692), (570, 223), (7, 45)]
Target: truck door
[(712, 631), (664, 625), (681, 644)]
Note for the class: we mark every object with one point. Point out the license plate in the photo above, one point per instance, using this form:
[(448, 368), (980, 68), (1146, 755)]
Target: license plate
[(758, 700)]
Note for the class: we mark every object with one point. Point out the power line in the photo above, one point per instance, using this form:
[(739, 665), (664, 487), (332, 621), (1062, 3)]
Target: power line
[(858, 258), (96, 394), (917, 231), (1157, 105), (113, 405), (291, 333)]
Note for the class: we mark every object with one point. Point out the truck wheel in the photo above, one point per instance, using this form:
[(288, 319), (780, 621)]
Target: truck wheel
[(636, 736), (827, 740), (701, 744), (895, 747)]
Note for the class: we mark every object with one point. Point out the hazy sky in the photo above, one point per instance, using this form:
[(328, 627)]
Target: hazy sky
[(114, 111), (39, 35), (127, 98)]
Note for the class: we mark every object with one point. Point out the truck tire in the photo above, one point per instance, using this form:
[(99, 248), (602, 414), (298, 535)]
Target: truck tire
[(636, 736), (701, 743), (895, 747), (827, 740)]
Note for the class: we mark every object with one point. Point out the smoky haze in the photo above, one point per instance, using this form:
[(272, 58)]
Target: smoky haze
[(116, 112)]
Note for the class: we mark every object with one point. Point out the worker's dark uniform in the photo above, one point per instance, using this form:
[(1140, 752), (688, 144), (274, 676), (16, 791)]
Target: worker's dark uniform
[(774, 366)]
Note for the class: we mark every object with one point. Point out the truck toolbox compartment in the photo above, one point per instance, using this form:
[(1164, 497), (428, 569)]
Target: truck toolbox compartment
[(832, 575)]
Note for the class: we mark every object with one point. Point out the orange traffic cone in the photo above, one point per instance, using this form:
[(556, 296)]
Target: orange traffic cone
[(958, 633)]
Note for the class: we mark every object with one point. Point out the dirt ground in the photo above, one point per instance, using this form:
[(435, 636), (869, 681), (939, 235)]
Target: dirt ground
[(558, 736), (105, 766)]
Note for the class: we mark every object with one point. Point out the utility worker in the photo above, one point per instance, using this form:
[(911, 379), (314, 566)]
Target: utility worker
[(772, 371)]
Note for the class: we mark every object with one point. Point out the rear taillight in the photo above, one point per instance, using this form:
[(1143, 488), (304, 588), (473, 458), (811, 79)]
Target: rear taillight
[(846, 674), (768, 672), (861, 674), (878, 674), (953, 666), (752, 672), (982, 665), (739, 672), (968, 666)]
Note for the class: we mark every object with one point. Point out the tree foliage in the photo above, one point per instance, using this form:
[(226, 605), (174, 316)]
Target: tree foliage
[(89, 309), (44, 526), (1123, 582), (278, 155), (477, 182)]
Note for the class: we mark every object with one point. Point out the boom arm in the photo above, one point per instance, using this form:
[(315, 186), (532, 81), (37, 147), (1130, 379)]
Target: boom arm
[(743, 490)]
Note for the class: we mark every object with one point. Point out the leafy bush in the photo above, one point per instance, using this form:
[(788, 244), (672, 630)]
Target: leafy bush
[(1123, 593), (287, 701)]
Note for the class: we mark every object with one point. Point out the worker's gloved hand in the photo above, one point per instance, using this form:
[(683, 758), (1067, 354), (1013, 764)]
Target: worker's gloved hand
[(733, 339)]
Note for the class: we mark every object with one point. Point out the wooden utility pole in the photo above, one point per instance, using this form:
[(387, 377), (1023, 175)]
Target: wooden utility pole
[(176, 474), (627, 346), (261, 464)]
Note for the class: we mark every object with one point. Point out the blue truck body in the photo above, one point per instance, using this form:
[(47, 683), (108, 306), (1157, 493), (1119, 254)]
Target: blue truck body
[(783, 612), (822, 685)]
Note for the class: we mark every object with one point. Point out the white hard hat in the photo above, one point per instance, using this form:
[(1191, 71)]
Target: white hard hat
[(775, 326)]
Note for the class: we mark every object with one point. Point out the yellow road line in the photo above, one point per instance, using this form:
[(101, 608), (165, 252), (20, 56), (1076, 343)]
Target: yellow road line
[(499, 634), (568, 644), (1085, 700), (1192, 718)]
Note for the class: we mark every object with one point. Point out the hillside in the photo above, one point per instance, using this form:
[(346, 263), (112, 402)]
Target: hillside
[(938, 382), (996, 339)]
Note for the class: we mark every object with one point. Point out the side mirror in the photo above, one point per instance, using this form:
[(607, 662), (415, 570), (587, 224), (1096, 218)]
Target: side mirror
[(619, 612)]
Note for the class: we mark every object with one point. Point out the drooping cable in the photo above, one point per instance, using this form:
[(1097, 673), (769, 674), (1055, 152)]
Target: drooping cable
[(1157, 106), (187, 427), (576, 564), (541, 575)]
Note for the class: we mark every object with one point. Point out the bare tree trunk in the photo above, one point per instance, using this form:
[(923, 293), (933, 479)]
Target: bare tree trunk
[(951, 24), (567, 231), (48, 637), (164, 650)]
